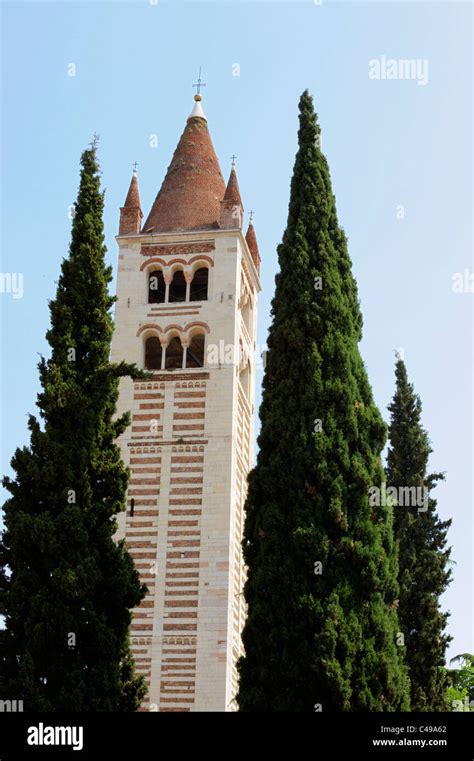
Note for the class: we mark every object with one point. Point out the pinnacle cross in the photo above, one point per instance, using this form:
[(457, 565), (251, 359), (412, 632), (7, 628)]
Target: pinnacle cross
[(233, 160), (135, 164), (199, 83), (251, 217)]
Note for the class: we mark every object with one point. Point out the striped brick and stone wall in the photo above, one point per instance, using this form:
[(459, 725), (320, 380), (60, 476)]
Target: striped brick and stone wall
[(189, 449)]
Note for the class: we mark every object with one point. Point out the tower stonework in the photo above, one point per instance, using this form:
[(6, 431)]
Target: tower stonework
[(186, 311)]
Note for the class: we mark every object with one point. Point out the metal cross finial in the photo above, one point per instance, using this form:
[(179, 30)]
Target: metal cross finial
[(135, 164), (199, 83), (233, 160), (251, 217)]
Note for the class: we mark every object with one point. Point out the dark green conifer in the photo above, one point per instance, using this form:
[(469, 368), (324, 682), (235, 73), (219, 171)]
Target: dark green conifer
[(318, 636), (66, 587), (424, 572)]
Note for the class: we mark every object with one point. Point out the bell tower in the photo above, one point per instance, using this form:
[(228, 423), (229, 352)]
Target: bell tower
[(187, 287)]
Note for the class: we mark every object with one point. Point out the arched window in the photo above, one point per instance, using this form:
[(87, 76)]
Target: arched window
[(198, 290), (195, 351), (174, 354), (153, 353), (156, 287), (177, 287)]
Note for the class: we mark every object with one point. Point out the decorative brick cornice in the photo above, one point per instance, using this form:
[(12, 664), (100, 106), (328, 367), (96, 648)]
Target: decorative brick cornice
[(173, 376), (172, 314), (163, 249), (149, 447)]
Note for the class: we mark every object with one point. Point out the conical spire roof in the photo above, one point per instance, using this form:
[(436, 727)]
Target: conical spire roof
[(131, 212), (190, 196), (132, 200), (251, 239), (232, 191)]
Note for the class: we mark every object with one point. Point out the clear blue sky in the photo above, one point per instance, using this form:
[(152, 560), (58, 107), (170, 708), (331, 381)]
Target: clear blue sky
[(389, 143)]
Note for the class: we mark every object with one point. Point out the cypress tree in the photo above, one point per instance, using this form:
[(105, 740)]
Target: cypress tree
[(321, 587), (66, 587), (424, 572)]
